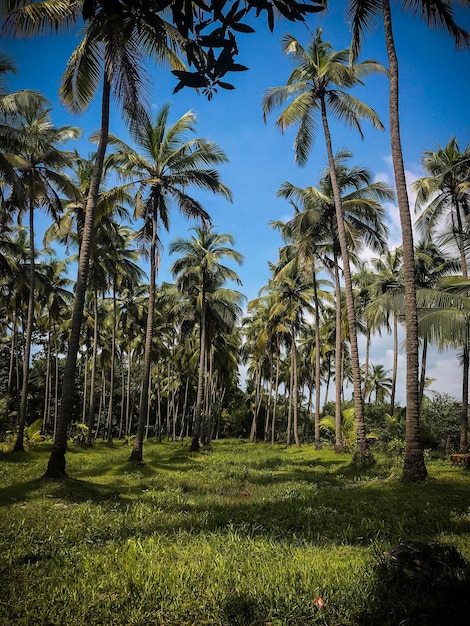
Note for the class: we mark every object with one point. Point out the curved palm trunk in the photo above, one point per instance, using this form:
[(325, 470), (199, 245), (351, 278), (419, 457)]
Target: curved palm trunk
[(56, 465), (362, 442), (201, 375), (137, 450), (414, 469), (19, 443)]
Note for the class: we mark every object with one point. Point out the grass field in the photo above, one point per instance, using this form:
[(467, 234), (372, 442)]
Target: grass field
[(239, 534)]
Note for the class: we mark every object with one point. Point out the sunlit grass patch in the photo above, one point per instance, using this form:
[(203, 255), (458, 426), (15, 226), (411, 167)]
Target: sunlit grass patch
[(241, 533)]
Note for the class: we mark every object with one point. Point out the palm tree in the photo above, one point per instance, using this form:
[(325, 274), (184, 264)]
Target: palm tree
[(112, 48), (384, 290), (363, 218), (362, 15), (379, 383), (293, 298), (201, 275), (445, 194), (168, 165), (42, 179), (317, 85)]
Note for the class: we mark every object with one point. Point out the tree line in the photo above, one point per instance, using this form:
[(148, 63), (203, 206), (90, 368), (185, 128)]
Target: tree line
[(331, 223)]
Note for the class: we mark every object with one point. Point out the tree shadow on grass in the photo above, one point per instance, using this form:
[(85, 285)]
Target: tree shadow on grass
[(437, 597)]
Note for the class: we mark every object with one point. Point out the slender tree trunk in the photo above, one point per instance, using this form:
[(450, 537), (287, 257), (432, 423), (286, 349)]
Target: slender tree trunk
[(422, 377), (57, 462), (48, 382), (289, 412), (317, 363), (113, 366), (339, 445), (395, 365), (294, 391), (276, 394), (91, 399), (19, 443), (414, 469), (366, 365), (463, 444), (201, 374), (137, 450), (363, 445)]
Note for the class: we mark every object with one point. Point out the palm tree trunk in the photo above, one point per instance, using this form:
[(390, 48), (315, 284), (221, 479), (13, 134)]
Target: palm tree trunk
[(366, 365), (317, 363), (339, 445), (137, 450), (414, 469), (56, 465), (422, 377), (294, 393), (276, 394), (363, 445), (395, 366), (463, 444), (19, 443), (201, 374), (112, 369), (91, 400)]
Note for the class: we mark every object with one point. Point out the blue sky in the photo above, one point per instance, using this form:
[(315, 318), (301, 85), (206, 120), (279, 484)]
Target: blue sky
[(434, 100)]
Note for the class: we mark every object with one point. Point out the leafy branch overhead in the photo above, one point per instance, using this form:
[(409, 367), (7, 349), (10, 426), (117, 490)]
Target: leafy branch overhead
[(210, 30)]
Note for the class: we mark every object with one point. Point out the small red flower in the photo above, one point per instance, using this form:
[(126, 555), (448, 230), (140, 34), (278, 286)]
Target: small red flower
[(319, 603)]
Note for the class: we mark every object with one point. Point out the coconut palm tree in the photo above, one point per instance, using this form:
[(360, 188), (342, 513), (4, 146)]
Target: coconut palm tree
[(201, 275), (444, 195), (317, 85), (39, 166), (386, 292), (113, 47), (363, 15), (294, 295), (162, 167), (363, 218)]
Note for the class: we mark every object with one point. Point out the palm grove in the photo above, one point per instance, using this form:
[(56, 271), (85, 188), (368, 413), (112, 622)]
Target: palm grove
[(118, 354)]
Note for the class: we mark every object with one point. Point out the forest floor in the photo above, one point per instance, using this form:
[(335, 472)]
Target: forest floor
[(238, 534)]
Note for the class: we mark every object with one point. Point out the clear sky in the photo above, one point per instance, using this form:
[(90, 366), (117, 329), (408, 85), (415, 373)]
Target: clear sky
[(434, 101)]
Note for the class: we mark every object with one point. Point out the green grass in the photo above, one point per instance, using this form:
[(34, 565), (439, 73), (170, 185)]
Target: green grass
[(241, 534)]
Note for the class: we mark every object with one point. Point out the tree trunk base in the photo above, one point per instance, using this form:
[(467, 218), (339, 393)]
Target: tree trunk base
[(364, 458), (136, 457), (194, 445), (414, 469), (56, 466), (339, 448), (19, 446)]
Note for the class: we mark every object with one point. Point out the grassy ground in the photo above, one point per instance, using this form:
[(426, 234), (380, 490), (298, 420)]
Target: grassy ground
[(241, 534)]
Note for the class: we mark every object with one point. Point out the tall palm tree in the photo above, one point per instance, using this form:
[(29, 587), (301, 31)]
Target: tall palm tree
[(386, 286), (167, 164), (294, 295), (363, 218), (112, 49), (444, 194), (201, 275), (41, 176), (317, 85), (363, 15)]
